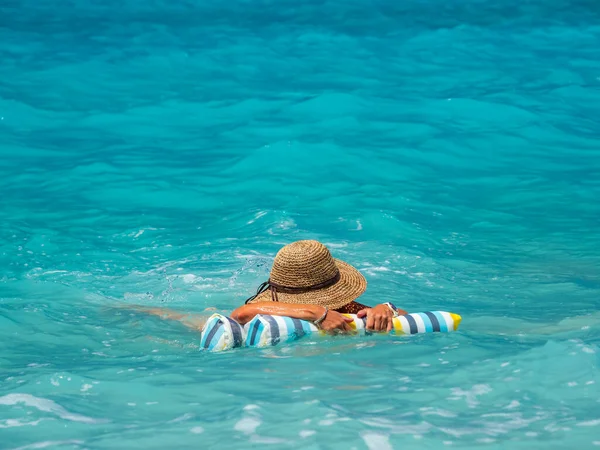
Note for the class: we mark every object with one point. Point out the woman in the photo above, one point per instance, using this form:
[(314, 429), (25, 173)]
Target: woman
[(307, 283)]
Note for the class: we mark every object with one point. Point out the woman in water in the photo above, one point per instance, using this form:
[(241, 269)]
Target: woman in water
[(307, 283)]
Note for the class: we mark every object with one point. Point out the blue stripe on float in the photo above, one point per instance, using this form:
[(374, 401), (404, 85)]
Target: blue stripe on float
[(275, 336), (236, 329), (441, 321), (211, 333), (259, 334), (306, 326), (217, 336), (290, 328), (364, 321), (298, 328), (412, 324), (207, 327), (254, 332), (434, 322), (427, 322)]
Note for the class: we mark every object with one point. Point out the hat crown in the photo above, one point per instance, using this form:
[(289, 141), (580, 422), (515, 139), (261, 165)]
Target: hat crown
[(302, 264)]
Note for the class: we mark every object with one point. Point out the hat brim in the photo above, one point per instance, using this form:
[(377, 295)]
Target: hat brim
[(351, 285)]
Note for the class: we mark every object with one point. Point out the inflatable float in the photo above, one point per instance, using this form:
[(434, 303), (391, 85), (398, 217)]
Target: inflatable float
[(223, 333)]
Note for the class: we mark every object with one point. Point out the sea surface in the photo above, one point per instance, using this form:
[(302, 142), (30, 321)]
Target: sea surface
[(159, 153)]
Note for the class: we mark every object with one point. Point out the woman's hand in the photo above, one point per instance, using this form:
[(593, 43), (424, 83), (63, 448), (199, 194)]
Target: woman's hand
[(336, 322), (379, 318)]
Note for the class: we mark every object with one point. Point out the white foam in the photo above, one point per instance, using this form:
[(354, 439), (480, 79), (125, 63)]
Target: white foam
[(46, 405), (45, 444), (376, 441), (471, 395), (188, 278), (266, 440), (247, 425), (589, 423), (10, 423), (428, 411), (257, 216), (183, 418)]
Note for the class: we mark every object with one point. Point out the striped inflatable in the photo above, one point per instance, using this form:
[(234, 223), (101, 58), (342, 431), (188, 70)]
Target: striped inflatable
[(264, 331), (426, 322), (223, 333)]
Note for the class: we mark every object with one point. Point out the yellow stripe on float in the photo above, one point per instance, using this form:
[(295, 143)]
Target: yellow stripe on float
[(353, 323), (457, 319), (398, 326)]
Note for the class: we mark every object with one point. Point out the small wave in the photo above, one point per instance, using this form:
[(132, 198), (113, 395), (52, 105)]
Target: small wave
[(45, 444), (46, 405)]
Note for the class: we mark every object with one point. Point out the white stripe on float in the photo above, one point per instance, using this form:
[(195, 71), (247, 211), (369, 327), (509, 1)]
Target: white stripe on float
[(283, 328), (360, 325), (448, 319), (420, 323), (222, 343), (405, 325)]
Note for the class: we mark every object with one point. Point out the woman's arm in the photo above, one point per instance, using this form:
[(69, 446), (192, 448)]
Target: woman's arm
[(246, 313), (332, 320)]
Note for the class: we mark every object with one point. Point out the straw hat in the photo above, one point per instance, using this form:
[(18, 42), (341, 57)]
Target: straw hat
[(305, 272)]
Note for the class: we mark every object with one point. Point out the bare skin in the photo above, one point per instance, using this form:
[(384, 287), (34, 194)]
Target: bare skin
[(193, 321), (379, 318), (333, 320)]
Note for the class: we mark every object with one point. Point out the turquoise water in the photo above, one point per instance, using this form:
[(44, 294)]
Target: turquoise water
[(160, 153)]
